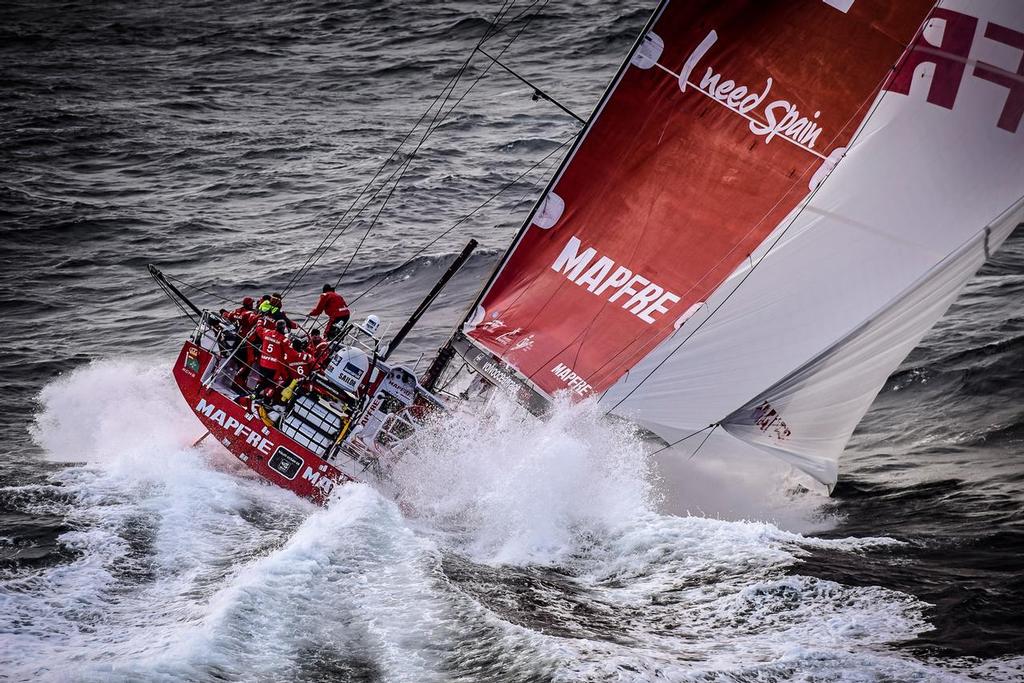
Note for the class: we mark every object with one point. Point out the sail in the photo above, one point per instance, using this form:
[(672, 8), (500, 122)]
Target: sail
[(805, 333), (706, 141), (772, 204)]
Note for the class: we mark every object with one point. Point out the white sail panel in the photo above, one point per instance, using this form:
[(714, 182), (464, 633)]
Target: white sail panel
[(830, 395), (929, 169)]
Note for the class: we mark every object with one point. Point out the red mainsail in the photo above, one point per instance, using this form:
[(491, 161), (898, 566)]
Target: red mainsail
[(725, 118)]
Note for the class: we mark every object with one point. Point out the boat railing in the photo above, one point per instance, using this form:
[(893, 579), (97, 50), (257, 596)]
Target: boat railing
[(217, 336), (398, 430)]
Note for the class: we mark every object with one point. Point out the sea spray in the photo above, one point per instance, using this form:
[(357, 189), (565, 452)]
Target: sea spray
[(523, 489), (101, 410), (537, 552)]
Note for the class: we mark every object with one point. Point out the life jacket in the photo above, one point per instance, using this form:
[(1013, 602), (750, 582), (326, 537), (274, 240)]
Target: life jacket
[(267, 308)]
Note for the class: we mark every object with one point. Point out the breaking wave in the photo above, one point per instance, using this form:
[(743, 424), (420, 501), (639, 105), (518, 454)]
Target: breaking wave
[(530, 551)]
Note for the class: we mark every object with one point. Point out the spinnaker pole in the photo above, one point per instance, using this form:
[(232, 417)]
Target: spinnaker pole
[(171, 289)]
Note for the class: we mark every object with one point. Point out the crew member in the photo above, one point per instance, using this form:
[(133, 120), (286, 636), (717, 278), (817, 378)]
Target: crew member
[(298, 360), (272, 307), (333, 305), (244, 316), (273, 341), (319, 347), (267, 306)]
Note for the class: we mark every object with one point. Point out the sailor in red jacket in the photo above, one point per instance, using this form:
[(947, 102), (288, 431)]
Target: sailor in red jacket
[(245, 316), (273, 341), (245, 319), (319, 347), (333, 305), (298, 362)]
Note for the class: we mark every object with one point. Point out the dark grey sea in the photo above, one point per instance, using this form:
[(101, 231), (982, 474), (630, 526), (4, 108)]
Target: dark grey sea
[(222, 141)]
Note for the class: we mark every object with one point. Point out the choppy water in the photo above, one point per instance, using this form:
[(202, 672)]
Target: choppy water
[(219, 140)]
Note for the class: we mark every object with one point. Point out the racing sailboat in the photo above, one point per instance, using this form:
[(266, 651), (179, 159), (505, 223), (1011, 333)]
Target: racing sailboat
[(325, 427), (769, 207)]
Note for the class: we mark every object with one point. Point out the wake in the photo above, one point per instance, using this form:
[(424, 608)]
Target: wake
[(184, 568)]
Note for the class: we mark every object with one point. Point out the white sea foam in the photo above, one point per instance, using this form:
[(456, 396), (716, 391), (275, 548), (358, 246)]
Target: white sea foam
[(525, 490), (536, 550)]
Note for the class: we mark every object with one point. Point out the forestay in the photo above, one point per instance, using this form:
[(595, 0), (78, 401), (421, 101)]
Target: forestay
[(772, 204)]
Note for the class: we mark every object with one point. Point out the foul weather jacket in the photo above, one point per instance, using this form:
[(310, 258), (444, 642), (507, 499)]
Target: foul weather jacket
[(272, 348), (246, 319), (332, 304), (298, 363)]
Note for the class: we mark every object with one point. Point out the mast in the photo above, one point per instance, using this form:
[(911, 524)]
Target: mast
[(568, 157), (533, 398)]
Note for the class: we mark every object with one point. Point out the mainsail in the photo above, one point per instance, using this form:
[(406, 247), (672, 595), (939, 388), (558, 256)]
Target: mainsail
[(772, 203)]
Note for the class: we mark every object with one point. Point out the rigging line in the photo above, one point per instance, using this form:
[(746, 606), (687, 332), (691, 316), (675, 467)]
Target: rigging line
[(174, 300), (494, 29), (404, 166), (521, 198), (537, 92), (504, 49), (702, 442), (688, 436), (304, 269), (858, 133), (199, 289), (463, 219), (430, 129)]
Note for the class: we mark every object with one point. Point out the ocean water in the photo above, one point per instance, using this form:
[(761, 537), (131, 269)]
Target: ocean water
[(222, 141)]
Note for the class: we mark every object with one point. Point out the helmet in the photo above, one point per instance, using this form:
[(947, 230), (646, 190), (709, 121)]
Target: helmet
[(372, 324)]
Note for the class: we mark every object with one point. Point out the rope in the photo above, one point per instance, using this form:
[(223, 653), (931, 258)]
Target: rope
[(679, 441), (537, 92), (463, 219), (200, 289), (434, 124), (327, 242), (187, 313)]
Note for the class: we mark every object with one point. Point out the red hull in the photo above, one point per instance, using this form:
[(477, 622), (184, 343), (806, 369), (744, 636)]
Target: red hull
[(264, 449)]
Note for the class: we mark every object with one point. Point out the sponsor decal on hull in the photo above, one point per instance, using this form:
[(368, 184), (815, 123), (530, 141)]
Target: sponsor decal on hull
[(230, 424)]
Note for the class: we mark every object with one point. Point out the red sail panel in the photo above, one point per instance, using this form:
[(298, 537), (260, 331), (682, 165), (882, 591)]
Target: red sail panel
[(672, 187)]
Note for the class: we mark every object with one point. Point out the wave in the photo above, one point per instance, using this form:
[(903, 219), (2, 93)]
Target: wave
[(533, 551)]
